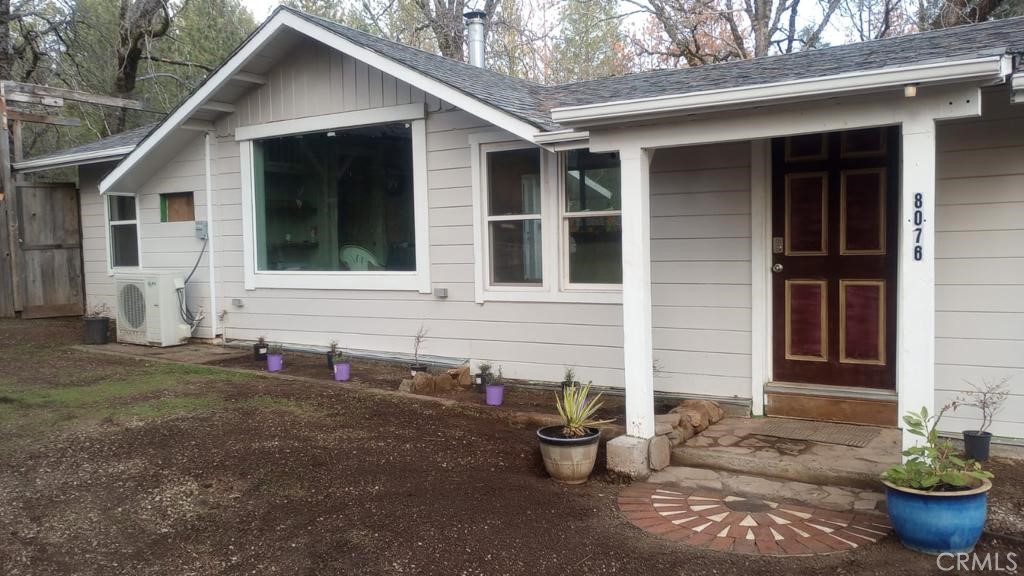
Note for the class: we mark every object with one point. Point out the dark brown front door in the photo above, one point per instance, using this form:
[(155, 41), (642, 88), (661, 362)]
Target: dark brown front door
[(834, 239)]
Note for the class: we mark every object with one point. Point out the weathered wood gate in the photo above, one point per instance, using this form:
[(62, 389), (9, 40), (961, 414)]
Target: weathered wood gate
[(48, 254)]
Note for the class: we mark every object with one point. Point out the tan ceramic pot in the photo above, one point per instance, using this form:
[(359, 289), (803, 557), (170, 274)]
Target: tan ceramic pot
[(568, 460)]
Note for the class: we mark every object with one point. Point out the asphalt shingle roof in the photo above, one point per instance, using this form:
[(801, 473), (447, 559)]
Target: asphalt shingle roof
[(532, 102), (127, 138)]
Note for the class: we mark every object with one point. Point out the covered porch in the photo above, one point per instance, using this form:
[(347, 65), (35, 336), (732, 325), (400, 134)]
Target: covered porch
[(904, 365)]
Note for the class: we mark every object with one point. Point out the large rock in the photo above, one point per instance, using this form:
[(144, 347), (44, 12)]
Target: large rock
[(659, 453), (692, 419), (672, 419), (461, 376), (422, 383), (710, 409), (406, 385), (443, 383)]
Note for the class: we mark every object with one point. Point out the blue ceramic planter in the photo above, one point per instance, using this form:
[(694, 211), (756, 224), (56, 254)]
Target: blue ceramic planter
[(938, 522)]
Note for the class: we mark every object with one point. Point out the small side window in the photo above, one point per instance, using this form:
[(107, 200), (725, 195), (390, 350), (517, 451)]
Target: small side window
[(124, 231), (177, 207)]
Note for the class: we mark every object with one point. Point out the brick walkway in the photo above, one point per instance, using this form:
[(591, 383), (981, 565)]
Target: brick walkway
[(746, 525)]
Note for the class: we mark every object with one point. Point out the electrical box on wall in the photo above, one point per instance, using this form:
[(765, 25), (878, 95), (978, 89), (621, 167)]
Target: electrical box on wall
[(201, 228)]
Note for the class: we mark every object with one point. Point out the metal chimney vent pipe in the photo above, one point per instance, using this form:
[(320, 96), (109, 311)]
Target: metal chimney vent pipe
[(475, 22)]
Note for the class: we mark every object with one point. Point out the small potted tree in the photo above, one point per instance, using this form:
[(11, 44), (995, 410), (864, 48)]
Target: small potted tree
[(259, 349), (342, 369), (275, 358), (484, 377), (494, 389), (988, 399), (569, 449), (417, 343), (97, 324), (937, 501), (332, 353), (569, 379)]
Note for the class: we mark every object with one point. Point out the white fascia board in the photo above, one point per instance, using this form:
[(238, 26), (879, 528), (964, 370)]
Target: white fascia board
[(559, 140), (1017, 88), (108, 155), (232, 67), (992, 68)]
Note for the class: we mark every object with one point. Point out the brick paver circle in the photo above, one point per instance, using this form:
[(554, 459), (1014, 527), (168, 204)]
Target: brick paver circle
[(746, 525)]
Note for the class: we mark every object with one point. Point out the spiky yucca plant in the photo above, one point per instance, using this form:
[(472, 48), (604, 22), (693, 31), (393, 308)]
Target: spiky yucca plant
[(577, 411)]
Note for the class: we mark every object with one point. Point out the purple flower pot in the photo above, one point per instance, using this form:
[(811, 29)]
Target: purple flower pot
[(342, 371), (495, 394), (275, 362)]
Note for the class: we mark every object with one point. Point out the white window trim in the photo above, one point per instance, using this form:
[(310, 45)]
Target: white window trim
[(552, 289), (563, 224), (111, 269), (419, 280)]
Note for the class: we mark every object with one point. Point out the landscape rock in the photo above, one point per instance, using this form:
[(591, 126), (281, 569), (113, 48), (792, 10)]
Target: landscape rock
[(443, 383), (406, 385), (659, 453), (628, 455), (691, 418), (672, 419), (661, 428), (463, 379), (422, 383), (711, 411)]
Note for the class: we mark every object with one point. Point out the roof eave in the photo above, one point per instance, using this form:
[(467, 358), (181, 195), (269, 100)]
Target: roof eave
[(283, 18), (993, 69), (64, 161)]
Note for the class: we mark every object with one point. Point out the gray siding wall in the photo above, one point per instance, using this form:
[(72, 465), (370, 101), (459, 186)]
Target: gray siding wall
[(979, 269), (700, 252)]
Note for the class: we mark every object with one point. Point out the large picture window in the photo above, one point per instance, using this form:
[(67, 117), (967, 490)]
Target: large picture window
[(338, 201), (124, 231), (592, 218), (514, 216)]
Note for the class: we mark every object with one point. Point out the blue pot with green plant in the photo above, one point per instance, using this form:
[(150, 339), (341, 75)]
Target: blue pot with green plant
[(937, 501)]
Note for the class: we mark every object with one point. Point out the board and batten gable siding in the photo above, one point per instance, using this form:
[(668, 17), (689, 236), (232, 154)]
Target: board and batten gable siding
[(979, 266)]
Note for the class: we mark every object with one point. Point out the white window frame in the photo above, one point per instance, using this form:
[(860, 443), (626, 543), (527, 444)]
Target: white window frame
[(111, 269), (418, 280), (552, 288), (564, 217)]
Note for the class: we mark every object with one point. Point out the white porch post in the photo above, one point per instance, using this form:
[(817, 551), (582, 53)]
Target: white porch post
[(638, 345), (915, 322)]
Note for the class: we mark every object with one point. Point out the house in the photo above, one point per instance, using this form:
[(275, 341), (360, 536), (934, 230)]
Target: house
[(835, 234)]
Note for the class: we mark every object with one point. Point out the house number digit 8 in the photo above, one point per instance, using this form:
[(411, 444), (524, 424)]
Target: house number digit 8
[(919, 226)]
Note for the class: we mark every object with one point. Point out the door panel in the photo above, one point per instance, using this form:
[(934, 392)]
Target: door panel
[(51, 250), (834, 255)]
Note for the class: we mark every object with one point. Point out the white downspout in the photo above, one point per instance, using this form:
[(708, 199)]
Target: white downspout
[(209, 238)]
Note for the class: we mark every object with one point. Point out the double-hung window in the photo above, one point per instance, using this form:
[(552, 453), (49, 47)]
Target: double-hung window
[(549, 224), (122, 216), (514, 217), (592, 220)]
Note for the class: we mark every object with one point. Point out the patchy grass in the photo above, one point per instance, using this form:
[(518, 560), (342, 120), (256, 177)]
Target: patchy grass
[(156, 390)]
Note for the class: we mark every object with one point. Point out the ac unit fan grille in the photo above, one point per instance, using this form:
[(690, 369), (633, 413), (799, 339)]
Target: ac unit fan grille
[(133, 305)]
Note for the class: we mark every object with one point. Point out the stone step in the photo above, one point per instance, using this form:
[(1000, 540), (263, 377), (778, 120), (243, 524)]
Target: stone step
[(735, 445), (824, 496), (837, 472)]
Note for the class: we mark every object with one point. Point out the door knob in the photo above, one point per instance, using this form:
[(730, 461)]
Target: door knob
[(777, 267)]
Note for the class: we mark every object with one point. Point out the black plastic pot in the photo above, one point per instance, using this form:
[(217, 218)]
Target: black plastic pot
[(567, 384), (259, 351), (418, 367), (330, 361), (976, 444), (96, 330), (483, 379)]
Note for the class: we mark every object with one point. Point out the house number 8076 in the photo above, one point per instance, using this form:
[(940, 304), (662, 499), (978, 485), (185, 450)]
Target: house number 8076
[(918, 226)]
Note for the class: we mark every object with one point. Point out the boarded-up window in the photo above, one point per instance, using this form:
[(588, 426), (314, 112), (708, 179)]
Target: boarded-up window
[(177, 207)]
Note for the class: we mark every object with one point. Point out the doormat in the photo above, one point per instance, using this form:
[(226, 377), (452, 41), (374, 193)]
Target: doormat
[(826, 432)]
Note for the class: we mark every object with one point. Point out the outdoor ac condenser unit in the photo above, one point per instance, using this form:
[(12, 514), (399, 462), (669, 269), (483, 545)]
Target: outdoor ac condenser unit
[(148, 309)]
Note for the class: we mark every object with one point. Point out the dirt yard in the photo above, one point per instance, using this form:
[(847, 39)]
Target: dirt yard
[(114, 466)]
